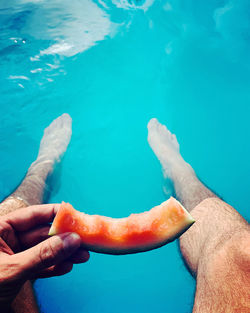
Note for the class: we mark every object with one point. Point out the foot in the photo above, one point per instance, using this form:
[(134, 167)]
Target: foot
[(165, 146), (56, 138), (54, 143)]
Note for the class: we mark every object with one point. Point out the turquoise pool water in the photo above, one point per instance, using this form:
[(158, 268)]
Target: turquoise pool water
[(112, 65)]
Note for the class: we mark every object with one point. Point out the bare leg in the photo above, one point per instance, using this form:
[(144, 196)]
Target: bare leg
[(31, 191), (53, 144), (213, 246), (187, 186)]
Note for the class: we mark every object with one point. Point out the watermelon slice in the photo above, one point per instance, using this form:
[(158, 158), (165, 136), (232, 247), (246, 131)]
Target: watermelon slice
[(136, 233)]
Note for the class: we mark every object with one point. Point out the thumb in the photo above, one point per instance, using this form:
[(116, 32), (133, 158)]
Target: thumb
[(49, 252)]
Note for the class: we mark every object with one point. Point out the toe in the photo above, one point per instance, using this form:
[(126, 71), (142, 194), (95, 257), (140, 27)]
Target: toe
[(153, 123), (65, 119), (163, 129), (173, 137), (66, 116)]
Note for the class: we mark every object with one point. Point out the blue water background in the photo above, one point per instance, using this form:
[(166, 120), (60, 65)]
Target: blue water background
[(113, 65)]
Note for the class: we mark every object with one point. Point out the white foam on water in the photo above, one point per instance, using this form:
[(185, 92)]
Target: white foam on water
[(125, 4), (74, 26), (18, 77)]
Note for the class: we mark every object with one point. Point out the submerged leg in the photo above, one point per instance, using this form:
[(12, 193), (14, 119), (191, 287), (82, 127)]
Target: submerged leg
[(53, 144), (188, 187), (218, 238), (31, 191)]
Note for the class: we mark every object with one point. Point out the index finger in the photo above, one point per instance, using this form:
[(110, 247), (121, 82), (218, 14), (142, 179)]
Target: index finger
[(27, 218)]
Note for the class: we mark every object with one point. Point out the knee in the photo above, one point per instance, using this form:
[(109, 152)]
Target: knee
[(229, 266), (228, 260), (233, 253), (238, 247), (224, 278)]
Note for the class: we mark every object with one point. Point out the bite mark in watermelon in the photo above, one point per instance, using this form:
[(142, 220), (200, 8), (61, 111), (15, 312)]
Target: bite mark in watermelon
[(135, 233)]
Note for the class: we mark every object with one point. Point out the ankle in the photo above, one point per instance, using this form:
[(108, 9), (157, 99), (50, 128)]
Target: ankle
[(41, 169), (178, 169)]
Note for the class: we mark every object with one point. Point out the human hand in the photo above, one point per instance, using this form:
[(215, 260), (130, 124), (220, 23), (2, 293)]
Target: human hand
[(27, 252)]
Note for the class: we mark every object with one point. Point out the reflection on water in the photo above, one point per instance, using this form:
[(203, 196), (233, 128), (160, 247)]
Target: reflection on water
[(74, 26), (71, 26), (42, 28), (35, 29)]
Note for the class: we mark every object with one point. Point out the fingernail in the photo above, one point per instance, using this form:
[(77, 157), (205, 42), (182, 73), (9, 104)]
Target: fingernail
[(71, 241)]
